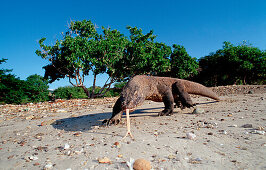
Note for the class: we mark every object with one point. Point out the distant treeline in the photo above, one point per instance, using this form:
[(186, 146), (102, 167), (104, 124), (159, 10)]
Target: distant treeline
[(241, 64), (83, 51)]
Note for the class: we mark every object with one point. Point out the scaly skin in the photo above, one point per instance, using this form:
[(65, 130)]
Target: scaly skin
[(158, 89)]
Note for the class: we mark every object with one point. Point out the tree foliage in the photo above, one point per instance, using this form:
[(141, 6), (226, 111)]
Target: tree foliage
[(14, 90), (83, 50), (69, 92), (36, 88), (143, 55), (182, 65), (241, 64)]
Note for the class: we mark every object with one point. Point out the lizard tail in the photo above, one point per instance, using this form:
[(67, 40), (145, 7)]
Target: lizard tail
[(199, 89)]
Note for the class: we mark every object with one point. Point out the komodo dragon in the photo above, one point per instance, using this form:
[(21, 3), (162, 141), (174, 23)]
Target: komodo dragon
[(158, 89)]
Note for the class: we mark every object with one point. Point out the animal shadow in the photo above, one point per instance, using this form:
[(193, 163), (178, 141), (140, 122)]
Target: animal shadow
[(87, 122), (81, 123)]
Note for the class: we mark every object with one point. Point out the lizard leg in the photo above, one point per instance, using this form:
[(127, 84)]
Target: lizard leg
[(168, 100), (117, 113), (183, 96)]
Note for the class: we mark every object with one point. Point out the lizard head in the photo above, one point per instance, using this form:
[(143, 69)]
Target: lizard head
[(132, 96)]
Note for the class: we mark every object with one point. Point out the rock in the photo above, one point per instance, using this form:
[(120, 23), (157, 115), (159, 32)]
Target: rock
[(223, 131), (141, 164), (48, 166), (66, 146), (210, 133), (195, 161), (250, 92), (260, 128), (104, 160), (247, 126), (171, 156), (232, 126), (198, 111), (191, 136), (33, 158), (260, 132), (48, 122), (61, 111)]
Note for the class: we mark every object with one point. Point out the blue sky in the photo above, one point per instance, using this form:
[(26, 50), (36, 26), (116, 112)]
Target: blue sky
[(201, 26)]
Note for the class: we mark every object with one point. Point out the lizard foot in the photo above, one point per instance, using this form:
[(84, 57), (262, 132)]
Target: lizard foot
[(166, 113)]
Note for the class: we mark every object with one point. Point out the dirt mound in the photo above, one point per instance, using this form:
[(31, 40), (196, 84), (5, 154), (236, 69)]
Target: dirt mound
[(239, 89)]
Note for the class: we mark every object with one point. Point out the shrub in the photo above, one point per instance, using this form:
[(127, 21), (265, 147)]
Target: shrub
[(69, 92)]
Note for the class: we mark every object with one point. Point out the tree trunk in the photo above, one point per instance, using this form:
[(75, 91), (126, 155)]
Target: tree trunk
[(93, 86), (86, 91)]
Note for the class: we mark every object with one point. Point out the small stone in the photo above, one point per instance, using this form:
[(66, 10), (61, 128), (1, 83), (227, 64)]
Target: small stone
[(210, 133), (48, 122), (116, 143), (77, 134), (79, 151), (66, 146), (232, 126), (104, 160), (95, 127), (191, 136), (141, 164), (198, 111), (33, 158), (36, 164), (171, 157), (250, 92), (48, 166), (61, 111), (247, 126), (224, 132), (260, 128), (260, 132), (195, 161)]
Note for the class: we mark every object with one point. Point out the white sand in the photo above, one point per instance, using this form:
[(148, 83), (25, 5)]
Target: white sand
[(220, 143)]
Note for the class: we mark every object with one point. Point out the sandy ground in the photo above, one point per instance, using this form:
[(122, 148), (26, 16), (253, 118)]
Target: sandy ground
[(68, 135)]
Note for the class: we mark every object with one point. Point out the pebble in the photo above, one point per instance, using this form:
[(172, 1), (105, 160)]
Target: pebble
[(198, 111), (171, 156), (247, 126), (48, 166), (224, 132), (195, 161), (104, 160), (61, 111), (191, 136), (232, 126), (260, 132), (210, 133), (33, 158), (66, 146)]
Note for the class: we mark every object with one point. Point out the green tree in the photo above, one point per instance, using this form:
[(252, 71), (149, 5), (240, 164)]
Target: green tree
[(182, 65), (241, 64), (69, 92), (14, 90), (143, 55), (37, 88), (110, 50), (69, 57), (83, 49), (11, 87)]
